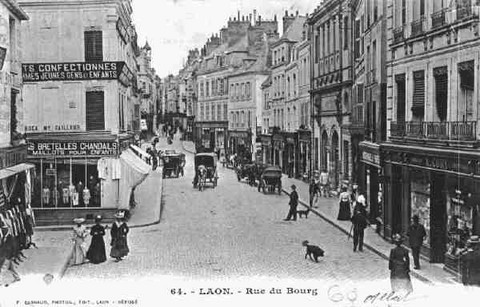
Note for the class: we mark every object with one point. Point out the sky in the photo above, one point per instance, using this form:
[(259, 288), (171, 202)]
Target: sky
[(172, 27)]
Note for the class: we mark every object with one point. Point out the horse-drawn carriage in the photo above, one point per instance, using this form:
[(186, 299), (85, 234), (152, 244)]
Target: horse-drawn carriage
[(173, 164), (205, 169), (252, 172), (271, 179)]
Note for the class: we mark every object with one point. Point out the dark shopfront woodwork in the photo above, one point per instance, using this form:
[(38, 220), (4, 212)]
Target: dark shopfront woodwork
[(95, 111), (438, 218)]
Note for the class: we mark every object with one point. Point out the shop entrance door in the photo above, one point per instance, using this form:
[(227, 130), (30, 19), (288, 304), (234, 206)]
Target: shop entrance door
[(438, 219), (397, 188)]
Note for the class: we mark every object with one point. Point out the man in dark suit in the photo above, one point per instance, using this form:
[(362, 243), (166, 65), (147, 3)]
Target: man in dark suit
[(416, 235), (359, 221), (292, 213)]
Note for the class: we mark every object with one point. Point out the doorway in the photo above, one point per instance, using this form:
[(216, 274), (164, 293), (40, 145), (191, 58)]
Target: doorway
[(438, 219)]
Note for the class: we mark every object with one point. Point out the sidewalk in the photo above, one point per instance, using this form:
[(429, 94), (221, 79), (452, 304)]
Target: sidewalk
[(328, 210), (54, 247)]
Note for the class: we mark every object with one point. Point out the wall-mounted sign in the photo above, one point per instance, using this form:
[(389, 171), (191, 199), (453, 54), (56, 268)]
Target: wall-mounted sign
[(53, 127), (371, 158), (71, 71), (38, 148), (3, 53)]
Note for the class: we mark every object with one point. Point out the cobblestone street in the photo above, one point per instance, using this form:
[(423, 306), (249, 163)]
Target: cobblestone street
[(234, 231)]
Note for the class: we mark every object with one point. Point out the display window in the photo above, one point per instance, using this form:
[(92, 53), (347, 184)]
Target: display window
[(420, 200), (462, 217), (66, 184)]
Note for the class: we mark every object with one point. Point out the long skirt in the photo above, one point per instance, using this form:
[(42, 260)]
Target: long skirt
[(96, 252), (78, 252), (400, 282), (119, 248), (344, 212)]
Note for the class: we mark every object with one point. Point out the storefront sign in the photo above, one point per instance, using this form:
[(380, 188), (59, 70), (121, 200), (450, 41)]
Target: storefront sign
[(238, 134), (53, 127), (371, 158), (12, 156), (72, 148), (71, 71)]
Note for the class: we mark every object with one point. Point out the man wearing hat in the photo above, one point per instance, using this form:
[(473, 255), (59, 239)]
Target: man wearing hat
[(399, 266), (471, 262), (416, 234), (314, 188), (292, 213)]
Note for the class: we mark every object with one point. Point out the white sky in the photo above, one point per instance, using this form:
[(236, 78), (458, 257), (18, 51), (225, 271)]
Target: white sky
[(172, 27)]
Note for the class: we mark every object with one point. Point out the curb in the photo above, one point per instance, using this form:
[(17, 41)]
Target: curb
[(365, 244), (156, 222)]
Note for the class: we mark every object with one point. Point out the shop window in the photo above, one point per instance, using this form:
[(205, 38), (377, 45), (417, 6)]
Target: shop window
[(420, 200), (66, 184), (93, 46), (95, 111)]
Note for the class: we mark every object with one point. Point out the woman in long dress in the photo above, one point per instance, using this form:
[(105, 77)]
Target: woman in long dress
[(79, 247), (96, 252), (399, 265), (119, 233), (344, 210)]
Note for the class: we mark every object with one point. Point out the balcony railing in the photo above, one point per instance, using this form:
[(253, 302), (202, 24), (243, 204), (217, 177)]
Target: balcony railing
[(438, 19), (417, 26), (461, 131), (398, 35), (464, 9)]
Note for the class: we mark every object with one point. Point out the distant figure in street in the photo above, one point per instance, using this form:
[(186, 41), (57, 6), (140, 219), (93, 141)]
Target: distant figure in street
[(119, 233), (470, 260), (359, 223), (344, 210), (416, 234), (292, 213), (399, 266), (79, 251), (96, 253), (314, 188), (324, 181)]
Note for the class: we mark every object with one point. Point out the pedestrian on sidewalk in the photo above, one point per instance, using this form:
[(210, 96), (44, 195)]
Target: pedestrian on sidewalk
[(399, 266), (324, 182), (292, 213), (344, 213), (7, 255), (96, 252), (470, 260), (359, 223), (416, 234), (119, 233), (314, 188), (79, 250)]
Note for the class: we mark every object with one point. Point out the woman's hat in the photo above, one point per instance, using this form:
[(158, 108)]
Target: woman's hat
[(79, 220), (119, 215), (361, 199), (293, 186), (473, 240), (98, 218), (397, 238)]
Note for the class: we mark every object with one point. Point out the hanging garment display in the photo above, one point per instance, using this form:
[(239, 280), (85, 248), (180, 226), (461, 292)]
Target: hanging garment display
[(102, 168), (116, 169), (46, 196), (65, 195), (75, 200), (86, 196)]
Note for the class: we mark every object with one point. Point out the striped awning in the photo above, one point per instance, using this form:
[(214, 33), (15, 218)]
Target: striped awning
[(12, 170)]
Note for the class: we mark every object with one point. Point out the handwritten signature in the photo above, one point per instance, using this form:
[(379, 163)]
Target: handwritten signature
[(338, 294)]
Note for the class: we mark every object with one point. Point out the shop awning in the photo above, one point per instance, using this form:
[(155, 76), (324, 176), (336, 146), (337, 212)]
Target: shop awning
[(12, 170), (134, 172), (139, 152)]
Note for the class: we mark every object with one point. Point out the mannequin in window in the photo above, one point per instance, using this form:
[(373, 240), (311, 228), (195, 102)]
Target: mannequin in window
[(80, 192)]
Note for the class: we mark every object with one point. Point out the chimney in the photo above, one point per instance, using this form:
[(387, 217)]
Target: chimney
[(238, 12), (259, 19), (254, 16), (297, 12), (275, 17), (286, 13), (243, 18), (250, 18)]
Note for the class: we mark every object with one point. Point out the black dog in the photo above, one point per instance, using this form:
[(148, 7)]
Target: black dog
[(313, 250), (303, 212)]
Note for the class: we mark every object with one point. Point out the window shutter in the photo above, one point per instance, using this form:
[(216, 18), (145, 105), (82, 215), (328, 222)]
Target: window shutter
[(418, 91), (93, 46), (400, 80), (95, 111)]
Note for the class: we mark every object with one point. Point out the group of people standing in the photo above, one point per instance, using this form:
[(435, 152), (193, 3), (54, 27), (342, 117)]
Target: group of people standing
[(96, 253)]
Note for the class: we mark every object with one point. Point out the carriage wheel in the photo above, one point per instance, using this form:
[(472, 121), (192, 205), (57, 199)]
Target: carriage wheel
[(239, 178)]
